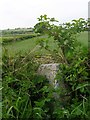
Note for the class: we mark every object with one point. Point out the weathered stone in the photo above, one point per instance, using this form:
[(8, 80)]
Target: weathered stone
[(49, 71)]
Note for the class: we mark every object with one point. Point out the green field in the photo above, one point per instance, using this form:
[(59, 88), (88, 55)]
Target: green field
[(83, 38), (29, 44)]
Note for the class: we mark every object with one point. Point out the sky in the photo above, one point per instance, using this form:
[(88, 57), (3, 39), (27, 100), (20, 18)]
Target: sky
[(24, 13)]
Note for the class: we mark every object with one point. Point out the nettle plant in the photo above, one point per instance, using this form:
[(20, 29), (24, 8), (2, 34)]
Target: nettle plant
[(74, 71)]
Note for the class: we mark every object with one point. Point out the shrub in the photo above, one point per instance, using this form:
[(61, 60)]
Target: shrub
[(25, 94)]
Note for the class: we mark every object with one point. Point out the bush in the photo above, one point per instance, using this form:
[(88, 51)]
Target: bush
[(76, 76), (25, 94), (9, 39), (74, 71), (28, 95)]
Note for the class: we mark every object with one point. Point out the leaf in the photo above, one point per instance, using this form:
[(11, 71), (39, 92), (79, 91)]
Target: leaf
[(9, 110), (1, 88), (76, 110), (80, 86), (82, 90)]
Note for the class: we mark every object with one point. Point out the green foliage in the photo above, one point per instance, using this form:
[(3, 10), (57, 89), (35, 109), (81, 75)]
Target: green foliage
[(17, 31), (28, 95), (74, 70), (64, 34), (25, 94), (76, 75), (13, 38), (44, 24)]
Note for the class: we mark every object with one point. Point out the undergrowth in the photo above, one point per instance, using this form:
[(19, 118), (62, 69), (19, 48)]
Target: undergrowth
[(27, 95)]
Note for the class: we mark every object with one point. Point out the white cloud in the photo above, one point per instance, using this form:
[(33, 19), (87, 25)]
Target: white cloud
[(24, 13)]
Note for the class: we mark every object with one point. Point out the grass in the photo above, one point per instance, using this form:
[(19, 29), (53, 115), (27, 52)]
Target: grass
[(29, 44), (83, 38), (19, 104), (20, 46)]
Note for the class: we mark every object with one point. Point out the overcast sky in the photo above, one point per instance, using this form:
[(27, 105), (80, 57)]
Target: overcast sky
[(24, 13)]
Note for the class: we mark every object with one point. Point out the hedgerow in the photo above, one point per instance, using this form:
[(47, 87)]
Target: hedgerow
[(27, 95)]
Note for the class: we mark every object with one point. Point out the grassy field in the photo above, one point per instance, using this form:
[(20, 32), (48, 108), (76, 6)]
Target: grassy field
[(29, 44), (20, 46), (83, 38)]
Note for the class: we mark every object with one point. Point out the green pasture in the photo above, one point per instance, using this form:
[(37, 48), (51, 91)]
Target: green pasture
[(29, 44), (83, 38)]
